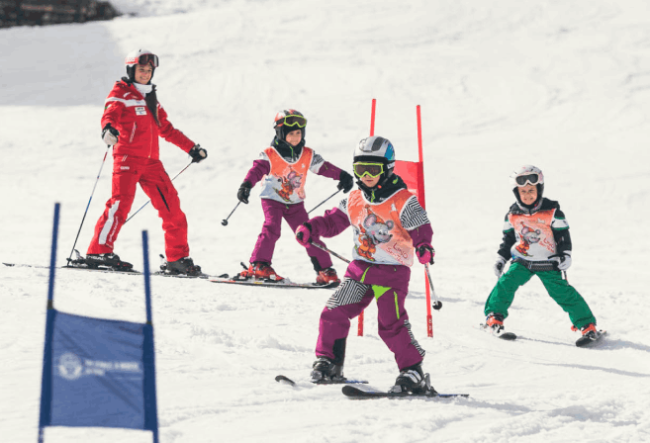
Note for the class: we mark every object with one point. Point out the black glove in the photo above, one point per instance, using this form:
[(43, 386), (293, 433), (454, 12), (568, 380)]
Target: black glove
[(345, 182), (198, 153), (110, 135), (244, 192)]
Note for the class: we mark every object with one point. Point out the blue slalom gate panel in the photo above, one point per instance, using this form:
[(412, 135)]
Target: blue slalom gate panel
[(98, 373)]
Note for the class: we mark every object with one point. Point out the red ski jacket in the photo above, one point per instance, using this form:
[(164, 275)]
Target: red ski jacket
[(127, 111)]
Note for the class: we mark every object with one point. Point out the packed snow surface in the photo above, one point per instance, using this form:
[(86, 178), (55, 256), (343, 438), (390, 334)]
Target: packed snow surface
[(562, 85)]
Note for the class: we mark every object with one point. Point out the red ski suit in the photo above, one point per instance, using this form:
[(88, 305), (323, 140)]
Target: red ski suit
[(135, 160)]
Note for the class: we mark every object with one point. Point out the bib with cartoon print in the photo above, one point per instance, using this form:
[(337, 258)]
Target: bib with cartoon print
[(379, 236), (534, 236), (286, 181)]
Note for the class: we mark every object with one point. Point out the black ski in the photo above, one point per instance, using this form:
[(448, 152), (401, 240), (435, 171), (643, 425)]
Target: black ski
[(347, 381), (284, 284), (109, 270), (502, 335), (367, 393), (586, 340)]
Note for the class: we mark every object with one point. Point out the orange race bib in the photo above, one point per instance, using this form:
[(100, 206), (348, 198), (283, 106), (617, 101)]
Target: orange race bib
[(534, 236), (286, 181), (379, 236)]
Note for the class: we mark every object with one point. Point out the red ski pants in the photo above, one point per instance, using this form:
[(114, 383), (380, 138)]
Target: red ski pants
[(127, 173)]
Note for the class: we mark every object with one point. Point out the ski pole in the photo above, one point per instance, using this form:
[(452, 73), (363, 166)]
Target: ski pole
[(437, 304), (89, 200), (142, 207), (324, 248), (324, 201), (225, 220)]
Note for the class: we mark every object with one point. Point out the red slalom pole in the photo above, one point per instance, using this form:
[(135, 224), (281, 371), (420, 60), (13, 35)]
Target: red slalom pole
[(421, 191), (372, 132), (372, 117)]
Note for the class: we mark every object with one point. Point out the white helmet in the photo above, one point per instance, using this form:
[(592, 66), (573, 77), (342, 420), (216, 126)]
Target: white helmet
[(528, 175), (140, 57)]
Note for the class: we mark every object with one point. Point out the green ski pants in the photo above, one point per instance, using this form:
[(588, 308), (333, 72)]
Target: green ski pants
[(559, 289)]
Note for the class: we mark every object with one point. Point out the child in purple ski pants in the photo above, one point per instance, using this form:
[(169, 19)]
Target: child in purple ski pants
[(390, 228), (283, 169)]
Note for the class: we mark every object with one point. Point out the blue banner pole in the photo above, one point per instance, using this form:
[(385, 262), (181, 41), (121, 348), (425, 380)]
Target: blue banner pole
[(151, 403), (46, 380)]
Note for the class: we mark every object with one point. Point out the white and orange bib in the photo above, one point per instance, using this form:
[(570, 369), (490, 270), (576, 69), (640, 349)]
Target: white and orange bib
[(379, 236), (534, 236), (286, 181)]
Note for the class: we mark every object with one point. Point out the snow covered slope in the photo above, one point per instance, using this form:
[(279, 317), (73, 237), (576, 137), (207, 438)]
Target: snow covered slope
[(562, 85)]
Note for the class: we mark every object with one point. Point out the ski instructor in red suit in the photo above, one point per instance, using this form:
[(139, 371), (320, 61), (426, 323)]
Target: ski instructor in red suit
[(132, 122)]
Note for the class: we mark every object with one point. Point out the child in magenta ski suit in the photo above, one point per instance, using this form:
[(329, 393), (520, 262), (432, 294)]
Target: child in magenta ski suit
[(389, 227), (283, 167)]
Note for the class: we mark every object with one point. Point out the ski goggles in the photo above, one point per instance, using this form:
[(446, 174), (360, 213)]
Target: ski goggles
[(373, 170), (146, 59), (294, 120), (527, 179)]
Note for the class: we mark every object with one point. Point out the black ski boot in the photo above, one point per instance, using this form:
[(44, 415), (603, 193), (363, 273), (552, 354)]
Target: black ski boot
[(183, 266), (109, 260), (325, 371), (412, 380)]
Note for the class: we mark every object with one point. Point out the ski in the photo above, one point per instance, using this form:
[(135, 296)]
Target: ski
[(586, 341), (286, 380), (104, 269), (109, 270), (367, 393), (285, 284), (501, 335)]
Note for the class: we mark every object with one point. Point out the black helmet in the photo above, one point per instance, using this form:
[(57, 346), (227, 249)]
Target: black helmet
[(289, 120)]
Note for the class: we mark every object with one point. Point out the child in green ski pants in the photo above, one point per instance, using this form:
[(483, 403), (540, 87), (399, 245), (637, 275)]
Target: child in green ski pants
[(536, 238)]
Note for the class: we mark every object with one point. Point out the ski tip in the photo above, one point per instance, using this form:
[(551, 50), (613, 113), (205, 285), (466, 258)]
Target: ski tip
[(285, 380), (508, 336), (452, 395)]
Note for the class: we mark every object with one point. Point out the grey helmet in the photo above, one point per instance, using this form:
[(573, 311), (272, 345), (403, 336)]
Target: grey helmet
[(376, 149)]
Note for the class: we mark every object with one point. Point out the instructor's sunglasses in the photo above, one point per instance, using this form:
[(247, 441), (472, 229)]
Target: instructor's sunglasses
[(148, 59), (295, 120), (530, 179), (373, 170)]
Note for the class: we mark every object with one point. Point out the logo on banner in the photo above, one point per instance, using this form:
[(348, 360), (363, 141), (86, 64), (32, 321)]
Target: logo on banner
[(72, 367)]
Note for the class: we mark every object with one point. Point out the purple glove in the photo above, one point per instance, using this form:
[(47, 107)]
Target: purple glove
[(303, 234), (425, 253)]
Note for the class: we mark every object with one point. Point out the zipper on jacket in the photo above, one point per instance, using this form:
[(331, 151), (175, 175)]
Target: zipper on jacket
[(154, 133), (132, 132)]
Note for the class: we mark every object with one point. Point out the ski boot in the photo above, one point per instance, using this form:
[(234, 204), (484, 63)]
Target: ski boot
[(588, 331), (184, 266), (325, 371), (260, 270), (109, 260), (494, 321), (328, 277), (412, 380)]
